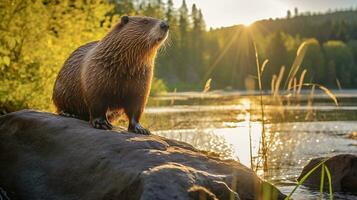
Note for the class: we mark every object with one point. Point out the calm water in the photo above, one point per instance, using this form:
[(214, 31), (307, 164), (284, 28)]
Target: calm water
[(229, 123)]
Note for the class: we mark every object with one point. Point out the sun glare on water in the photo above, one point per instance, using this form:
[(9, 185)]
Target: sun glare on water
[(235, 140), (239, 139)]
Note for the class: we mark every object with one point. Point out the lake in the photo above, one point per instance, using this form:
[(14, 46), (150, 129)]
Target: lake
[(229, 124)]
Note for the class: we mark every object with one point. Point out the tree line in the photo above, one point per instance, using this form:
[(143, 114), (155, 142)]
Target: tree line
[(37, 36), (227, 55)]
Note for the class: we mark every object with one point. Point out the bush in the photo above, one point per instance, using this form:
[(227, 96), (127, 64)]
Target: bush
[(158, 87), (35, 39)]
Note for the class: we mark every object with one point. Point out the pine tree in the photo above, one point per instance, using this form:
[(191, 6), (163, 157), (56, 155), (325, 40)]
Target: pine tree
[(183, 22), (296, 12), (170, 14), (159, 9), (197, 39), (183, 42), (202, 23), (288, 14), (121, 7), (168, 60)]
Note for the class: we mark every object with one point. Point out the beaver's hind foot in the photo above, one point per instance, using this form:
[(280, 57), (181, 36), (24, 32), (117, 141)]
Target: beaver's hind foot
[(101, 123)]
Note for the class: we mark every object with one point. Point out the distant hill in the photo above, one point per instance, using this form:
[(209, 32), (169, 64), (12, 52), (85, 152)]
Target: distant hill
[(334, 58), (338, 25)]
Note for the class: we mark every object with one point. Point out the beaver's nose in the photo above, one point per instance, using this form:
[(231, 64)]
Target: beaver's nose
[(164, 25)]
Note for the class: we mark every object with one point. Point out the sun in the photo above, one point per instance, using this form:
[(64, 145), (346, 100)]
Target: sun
[(247, 23)]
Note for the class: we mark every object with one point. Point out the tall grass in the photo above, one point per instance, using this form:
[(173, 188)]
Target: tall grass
[(294, 83), (292, 87), (263, 144)]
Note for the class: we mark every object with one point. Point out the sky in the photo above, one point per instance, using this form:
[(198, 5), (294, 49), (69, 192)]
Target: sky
[(218, 13)]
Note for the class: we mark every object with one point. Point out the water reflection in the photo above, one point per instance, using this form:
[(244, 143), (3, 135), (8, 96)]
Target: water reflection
[(231, 127), (291, 146), (238, 140)]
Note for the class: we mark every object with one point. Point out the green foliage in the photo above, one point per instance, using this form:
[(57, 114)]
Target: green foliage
[(314, 63), (275, 51), (340, 64), (352, 44), (37, 36), (158, 87)]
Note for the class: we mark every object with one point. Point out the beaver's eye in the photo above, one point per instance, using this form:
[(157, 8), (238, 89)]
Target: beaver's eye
[(145, 21)]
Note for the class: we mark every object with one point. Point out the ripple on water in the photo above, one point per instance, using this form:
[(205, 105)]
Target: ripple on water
[(291, 146)]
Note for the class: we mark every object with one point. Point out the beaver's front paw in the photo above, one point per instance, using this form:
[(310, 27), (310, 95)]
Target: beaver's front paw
[(137, 128), (101, 123)]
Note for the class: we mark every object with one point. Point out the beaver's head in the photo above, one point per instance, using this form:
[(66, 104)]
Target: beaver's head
[(134, 40), (143, 31)]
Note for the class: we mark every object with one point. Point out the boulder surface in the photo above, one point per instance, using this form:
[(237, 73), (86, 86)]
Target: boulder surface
[(343, 170), (46, 156)]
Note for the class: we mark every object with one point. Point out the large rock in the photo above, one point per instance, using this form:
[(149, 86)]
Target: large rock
[(343, 169), (45, 156)]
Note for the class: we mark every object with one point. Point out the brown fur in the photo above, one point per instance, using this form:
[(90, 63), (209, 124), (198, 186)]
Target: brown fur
[(111, 75)]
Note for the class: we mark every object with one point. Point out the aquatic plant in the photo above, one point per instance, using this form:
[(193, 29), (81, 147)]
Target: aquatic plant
[(292, 87), (324, 169)]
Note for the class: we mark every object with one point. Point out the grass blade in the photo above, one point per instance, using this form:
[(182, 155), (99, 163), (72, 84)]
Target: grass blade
[(329, 182), (259, 73), (290, 86), (294, 87), (174, 97), (264, 65), (303, 179), (278, 81), (325, 90), (301, 81), (329, 93), (207, 86), (300, 54), (273, 81), (309, 103), (338, 84), (322, 182)]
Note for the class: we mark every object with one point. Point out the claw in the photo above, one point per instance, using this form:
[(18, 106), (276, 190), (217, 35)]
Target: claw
[(101, 123), (137, 128)]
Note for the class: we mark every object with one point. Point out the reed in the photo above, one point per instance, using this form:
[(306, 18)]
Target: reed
[(291, 88), (263, 144), (207, 86)]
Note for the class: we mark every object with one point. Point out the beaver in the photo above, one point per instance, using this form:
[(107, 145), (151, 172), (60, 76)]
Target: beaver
[(112, 75)]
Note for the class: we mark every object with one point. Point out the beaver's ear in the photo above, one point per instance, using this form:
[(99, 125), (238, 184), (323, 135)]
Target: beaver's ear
[(124, 19)]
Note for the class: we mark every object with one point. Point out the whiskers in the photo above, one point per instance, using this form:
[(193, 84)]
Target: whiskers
[(166, 44)]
